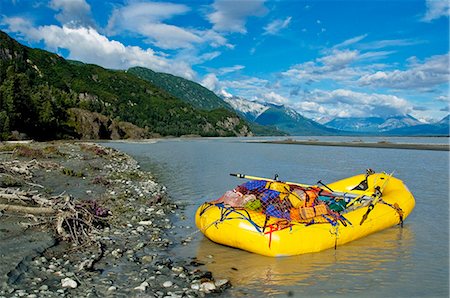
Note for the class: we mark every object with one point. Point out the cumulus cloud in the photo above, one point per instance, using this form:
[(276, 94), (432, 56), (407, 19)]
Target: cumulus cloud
[(231, 16), (277, 25), (87, 45), (443, 98), (346, 103), (335, 66), (275, 98), (73, 12), (150, 20), (211, 82), (431, 72), (147, 19), (436, 9)]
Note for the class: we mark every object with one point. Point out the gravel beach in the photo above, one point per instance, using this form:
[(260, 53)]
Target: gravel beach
[(124, 251)]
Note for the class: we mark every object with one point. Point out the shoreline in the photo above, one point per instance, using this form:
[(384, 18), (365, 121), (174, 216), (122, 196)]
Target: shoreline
[(127, 253), (382, 144)]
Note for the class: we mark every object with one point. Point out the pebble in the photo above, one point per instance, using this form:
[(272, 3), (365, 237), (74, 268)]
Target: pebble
[(117, 253), (112, 289), (43, 288), (207, 287), (167, 284), (178, 269), (195, 286), (147, 259), (145, 223), (142, 287), (221, 283), (69, 283)]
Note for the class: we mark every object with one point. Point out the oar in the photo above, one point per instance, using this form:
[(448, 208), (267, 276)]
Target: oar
[(376, 199), (266, 179), (333, 194)]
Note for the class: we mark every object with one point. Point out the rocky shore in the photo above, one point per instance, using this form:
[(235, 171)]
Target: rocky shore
[(78, 219)]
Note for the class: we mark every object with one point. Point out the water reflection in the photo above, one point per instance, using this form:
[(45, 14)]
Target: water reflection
[(350, 265)]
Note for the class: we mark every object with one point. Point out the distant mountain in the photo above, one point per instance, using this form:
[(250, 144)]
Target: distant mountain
[(372, 124), (247, 108), (44, 96), (277, 117), (186, 90), (440, 128), (289, 120)]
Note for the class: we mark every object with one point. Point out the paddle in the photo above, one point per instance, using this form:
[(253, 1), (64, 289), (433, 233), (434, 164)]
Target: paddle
[(333, 194), (266, 179), (378, 193)]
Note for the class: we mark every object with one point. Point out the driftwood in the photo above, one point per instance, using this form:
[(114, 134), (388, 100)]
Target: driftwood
[(73, 220), (28, 210)]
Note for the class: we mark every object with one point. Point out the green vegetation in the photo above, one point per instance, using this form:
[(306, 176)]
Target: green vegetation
[(37, 88), (72, 173), (188, 91)]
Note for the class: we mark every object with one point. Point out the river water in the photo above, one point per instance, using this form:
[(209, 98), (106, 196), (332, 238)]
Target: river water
[(401, 262)]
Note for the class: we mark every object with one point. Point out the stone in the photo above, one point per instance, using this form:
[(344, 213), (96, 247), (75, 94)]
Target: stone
[(112, 289), (145, 223), (147, 259), (195, 286), (207, 287), (142, 287), (43, 288), (68, 283), (178, 269), (167, 284), (222, 283)]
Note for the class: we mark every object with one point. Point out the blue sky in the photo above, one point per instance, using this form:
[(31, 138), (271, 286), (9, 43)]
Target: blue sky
[(323, 58)]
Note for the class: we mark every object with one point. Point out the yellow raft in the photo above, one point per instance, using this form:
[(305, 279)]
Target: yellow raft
[(384, 202)]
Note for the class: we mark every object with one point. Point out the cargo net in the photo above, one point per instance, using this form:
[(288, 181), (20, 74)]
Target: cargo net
[(270, 203)]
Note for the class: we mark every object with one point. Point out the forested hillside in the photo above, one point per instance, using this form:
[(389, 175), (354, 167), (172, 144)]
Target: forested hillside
[(37, 89)]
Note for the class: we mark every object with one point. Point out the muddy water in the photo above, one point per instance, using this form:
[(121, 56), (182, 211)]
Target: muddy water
[(413, 261)]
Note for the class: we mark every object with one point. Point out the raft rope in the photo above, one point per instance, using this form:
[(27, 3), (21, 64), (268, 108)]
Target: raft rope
[(397, 208)]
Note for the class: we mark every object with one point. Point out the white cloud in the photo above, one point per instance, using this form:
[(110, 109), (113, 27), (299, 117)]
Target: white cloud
[(231, 16), (151, 21), (277, 25), (350, 41), (348, 103), (146, 19), (73, 12), (443, 98), (379, 44), (338, 59), (234, 68), (336, 66), (436, 9), (211, 82), (87, 45), (192, 56), (273, 97), (431, 72)]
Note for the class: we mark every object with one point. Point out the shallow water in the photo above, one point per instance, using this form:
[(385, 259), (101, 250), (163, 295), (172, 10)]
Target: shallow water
[(413, 261)]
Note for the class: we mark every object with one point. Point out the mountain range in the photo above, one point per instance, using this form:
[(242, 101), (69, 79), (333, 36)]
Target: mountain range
[(373, 124), (278, 116)]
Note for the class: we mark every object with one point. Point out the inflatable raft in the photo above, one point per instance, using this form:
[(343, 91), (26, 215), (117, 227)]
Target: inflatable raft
[(274, 218)]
